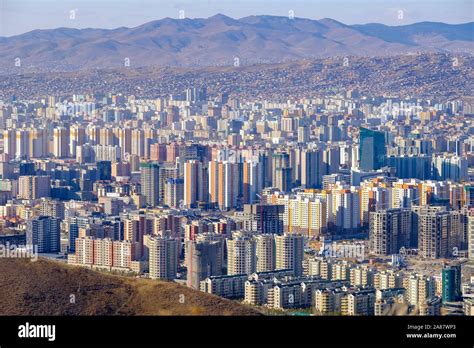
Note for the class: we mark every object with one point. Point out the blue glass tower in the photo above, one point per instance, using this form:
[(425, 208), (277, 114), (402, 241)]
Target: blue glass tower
[(451, 280), (372, 149)]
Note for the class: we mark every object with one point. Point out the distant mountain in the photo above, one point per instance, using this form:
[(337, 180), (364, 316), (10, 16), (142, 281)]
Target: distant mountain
[(224, 41)]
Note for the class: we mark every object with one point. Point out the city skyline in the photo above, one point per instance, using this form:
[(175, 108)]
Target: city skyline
[(159, 188), (230, 159)]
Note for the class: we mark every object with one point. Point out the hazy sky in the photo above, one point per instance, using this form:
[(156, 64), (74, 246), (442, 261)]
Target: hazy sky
[(19, 16)]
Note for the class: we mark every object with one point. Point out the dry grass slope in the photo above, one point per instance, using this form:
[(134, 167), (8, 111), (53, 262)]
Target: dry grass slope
[(45, 288)]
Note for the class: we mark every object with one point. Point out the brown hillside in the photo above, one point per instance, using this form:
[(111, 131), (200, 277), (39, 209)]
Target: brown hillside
[(45, 288)]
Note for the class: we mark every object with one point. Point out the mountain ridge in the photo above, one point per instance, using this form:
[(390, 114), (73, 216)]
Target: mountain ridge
[(219, 40)]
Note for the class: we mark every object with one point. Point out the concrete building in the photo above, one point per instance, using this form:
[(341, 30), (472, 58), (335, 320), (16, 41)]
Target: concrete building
[(150, 187), (61, 142), (256, 291), (420, 289), (470, 237), (228, 286), (264, 218), (105, 254), (362, 276), (430, 307), (203, 260), (174, 192), (44, 232), (195, 183), (290, 252), (241, 254), (286, 295), (265, 252), (387, 279), (360, 302), (389, 231), (281, 175), (327, 301), (438, 233), (163, 257), (34, 187), (305, 214)]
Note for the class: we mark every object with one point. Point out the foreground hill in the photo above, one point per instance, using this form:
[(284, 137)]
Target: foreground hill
[(219, 40), (48, 288)]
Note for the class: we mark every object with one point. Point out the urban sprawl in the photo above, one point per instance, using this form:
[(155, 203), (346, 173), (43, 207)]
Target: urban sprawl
[(345, 204)]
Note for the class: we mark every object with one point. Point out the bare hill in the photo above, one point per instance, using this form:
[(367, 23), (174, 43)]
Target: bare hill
[(52, 288)]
